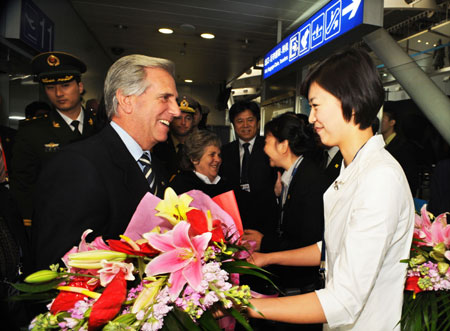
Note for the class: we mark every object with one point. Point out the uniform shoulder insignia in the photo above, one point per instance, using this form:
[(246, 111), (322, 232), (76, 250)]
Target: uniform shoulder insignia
[(91, 122), (56, 124)]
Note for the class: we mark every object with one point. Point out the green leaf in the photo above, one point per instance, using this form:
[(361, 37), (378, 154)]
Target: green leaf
[(171, 322), (208, 322), (36, 288), (185, 319), (242, 263), (39, 297), (240, 318)]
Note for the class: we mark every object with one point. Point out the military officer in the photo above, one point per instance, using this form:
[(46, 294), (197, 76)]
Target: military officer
[(39, 138)]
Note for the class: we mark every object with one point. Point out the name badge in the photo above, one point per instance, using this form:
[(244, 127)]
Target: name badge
[(245, 187)]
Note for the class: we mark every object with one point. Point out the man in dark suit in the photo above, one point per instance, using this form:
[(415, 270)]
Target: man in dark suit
[(246, 167), (39, 138), (404, 151), (98, 183)]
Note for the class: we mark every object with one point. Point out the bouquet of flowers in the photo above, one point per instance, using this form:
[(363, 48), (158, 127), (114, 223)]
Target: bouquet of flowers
[(169, 271), (427, 297)]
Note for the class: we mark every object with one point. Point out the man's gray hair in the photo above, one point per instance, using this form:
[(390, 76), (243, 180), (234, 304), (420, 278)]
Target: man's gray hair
[(128, 74)]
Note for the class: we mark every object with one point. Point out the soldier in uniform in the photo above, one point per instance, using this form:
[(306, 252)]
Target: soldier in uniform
[(39, 138)]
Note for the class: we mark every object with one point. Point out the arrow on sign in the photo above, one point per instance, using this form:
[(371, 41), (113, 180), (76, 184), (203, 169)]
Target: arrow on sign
[(353, 7)]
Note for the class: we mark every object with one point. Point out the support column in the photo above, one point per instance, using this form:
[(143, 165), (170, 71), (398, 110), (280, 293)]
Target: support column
[(422, 90)]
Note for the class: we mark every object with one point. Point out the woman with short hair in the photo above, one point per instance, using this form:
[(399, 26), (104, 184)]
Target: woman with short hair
[(369, 211), (200, 163)]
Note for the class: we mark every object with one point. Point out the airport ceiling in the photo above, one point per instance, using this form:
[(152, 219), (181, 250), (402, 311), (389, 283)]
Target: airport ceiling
[(244, 30)]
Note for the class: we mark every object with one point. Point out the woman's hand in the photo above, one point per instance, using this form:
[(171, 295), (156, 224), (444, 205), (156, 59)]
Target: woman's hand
[(253, 235), (258, 259)]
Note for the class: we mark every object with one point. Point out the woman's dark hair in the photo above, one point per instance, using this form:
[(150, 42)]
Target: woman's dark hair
[(241, 106), (195, 145), (295, 130), (350, 76)]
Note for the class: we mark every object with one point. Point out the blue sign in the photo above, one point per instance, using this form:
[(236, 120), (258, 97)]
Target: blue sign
[(36, 29), (330, 22)]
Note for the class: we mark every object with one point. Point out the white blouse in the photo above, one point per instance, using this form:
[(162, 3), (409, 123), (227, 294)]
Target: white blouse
[(369, 222)]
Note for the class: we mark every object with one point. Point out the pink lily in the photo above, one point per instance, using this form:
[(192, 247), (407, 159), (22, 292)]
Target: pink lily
[(432, 233), (98, 243), (110, 269), (181, 257)]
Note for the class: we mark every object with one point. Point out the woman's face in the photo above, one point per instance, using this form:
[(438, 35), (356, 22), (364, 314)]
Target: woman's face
[(272, 149), (209, 163), (326, 115)]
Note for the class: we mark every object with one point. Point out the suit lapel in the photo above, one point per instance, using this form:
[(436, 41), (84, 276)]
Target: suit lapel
[(132, 176), (60, 128), (88, 124)]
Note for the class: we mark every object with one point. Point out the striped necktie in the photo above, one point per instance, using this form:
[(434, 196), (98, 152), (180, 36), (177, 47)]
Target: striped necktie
[(148, 172)]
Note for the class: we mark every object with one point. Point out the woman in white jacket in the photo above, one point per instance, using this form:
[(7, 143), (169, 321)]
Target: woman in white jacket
[(369, 212)]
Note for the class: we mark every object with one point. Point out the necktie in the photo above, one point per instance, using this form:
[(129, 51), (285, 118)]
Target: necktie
[(180, 151), (148, 173), (75, 125), (245, 160)]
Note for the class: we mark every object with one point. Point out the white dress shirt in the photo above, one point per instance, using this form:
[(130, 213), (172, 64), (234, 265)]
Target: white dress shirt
[(69, 121), (369, 222)]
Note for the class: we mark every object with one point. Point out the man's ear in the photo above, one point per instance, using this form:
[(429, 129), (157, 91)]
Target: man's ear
[(124, 102), (80, 87)]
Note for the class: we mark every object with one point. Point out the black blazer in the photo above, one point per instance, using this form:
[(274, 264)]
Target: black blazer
[(167, 154), (406, 154), (94, 184), (334, 168), (37, 141), (259, 207), (188, 180), (302, 223)]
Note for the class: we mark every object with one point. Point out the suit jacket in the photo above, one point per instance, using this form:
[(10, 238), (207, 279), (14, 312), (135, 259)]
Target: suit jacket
[(406, 154), (188, 180), (167, 154), (259, 207), (333, 169), (302, 223), (37, 141), (93, 184)]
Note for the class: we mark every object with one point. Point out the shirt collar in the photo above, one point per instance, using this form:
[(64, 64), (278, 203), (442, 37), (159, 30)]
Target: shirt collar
[(251, 142), (133, 147), (390, 138), (68, 120), (288, 174), (205, 179)]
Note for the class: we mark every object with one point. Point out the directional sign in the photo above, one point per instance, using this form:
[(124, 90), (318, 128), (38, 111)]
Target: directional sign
[(36, 29), (330, 22)]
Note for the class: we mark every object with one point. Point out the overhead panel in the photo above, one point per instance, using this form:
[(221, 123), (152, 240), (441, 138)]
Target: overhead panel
[(327, 26)]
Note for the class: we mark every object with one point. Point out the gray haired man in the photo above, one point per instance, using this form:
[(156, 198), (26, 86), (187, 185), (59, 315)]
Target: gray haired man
[(98, 183)]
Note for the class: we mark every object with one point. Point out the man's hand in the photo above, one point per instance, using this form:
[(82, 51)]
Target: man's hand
[(278, 185), (255, 236)]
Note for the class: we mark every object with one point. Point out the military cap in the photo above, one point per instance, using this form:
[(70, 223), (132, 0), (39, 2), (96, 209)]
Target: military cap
[(188, 105), (56, 67)]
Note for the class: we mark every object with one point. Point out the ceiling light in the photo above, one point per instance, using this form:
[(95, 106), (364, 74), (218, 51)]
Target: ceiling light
[(165, 31), (207, 36), (17, 118), (121, 26), (419, 41), (427, 43), (188, 80)]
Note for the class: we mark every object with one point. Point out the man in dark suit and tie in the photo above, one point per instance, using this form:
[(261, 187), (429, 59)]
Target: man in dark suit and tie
[(40, 137), (98, 183), (246, 167)]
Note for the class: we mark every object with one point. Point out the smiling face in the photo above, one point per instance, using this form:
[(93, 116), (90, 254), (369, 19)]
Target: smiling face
[(272, 149), (246, 125), (209, 163), (66, 96), (182, 125), (152, 112), (326, 116)]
